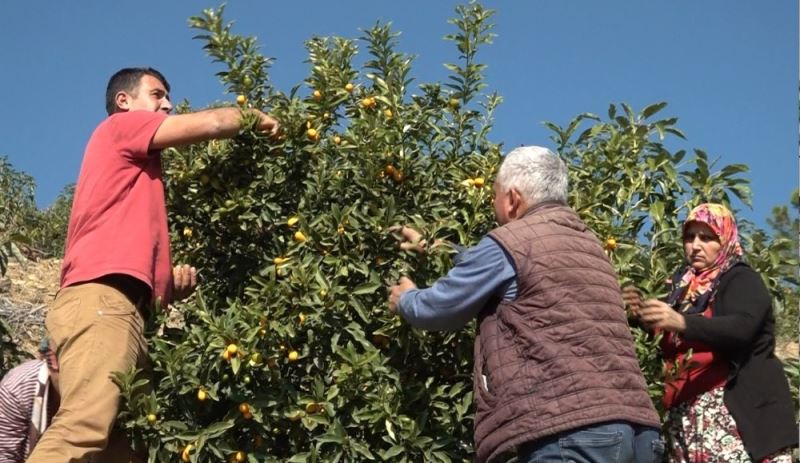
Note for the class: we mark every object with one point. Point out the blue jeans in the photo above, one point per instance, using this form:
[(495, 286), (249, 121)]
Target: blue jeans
[(613, 442)]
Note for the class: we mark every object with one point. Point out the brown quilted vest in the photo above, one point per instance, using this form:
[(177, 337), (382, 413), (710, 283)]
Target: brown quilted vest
[(560, 355)]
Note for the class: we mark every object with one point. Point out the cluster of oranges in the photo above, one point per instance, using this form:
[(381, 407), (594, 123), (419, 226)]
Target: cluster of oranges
[(236, 457), (369, 102), (477, 182), (393, 172), (231, 351), (313, 134)]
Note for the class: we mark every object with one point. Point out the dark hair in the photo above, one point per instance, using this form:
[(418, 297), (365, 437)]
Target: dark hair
[(127, 80)]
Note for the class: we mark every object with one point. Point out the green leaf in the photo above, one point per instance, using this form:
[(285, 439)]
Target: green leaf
[(652, 109), (367, 288)]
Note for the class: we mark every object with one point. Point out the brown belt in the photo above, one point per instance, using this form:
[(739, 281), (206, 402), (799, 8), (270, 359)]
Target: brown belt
[(134, 289)]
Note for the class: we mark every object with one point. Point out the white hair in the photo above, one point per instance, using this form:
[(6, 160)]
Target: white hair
[(536, 172)]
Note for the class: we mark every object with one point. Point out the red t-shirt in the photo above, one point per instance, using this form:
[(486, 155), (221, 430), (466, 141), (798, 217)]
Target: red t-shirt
[(118, 222)]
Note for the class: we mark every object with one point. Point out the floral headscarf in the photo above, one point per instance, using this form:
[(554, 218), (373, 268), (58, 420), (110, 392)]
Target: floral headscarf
[(695, 287)]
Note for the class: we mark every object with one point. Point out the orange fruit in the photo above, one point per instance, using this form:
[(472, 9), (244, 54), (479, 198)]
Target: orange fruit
[(202, 395), (317, 95), (312, 407), (292, 221), (478, 182), (293, 356), (232, 349), (241, 100), (151, 418), (185, 452), (312, 134), (244, 408), (187, 232), (368, 102), (337, 140), (348, 87), (299, 237), (239, 456), (380, 340), (611, 244), (387, 113)]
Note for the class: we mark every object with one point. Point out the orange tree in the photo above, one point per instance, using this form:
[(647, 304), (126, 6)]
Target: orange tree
[(287, 352), (17, 210)]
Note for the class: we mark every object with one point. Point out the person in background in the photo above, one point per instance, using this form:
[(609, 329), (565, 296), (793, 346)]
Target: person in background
[(726, 393), (28, 401), (556, 377)]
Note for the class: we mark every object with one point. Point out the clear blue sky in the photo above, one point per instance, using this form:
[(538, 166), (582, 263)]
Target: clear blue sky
[(729, 69)]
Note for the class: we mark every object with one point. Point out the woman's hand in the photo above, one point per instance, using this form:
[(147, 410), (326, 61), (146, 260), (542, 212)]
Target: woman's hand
[(632, 297), (657, 314)]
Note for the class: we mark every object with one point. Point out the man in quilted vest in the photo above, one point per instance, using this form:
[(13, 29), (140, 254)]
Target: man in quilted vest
[(556, 377)]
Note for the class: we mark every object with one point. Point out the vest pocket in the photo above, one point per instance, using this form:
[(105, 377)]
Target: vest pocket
[(484, 390)]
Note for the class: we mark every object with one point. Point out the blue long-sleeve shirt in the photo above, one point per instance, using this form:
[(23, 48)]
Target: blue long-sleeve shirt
[(481, 273)]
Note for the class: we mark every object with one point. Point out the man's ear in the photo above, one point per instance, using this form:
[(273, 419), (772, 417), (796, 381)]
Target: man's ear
[(123, 101), (516, 203)]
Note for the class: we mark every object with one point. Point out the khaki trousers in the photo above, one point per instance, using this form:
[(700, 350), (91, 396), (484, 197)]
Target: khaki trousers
[(95, 330)]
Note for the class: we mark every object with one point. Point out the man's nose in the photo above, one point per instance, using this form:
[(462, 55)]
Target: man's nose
[(166, 105)]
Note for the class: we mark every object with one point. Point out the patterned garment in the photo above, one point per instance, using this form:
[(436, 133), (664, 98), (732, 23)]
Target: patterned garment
[(694, 284), (23, 409), (703, 431)]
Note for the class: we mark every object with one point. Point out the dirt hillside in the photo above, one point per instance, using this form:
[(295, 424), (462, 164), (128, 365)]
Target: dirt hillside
[(25, 292)]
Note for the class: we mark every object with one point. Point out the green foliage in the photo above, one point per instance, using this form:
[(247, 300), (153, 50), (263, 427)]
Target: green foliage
[(782, 255), (17, 210), (289, 352), (17, 207), (10, 353), (49, 234), (20, 220), (327, 372), (630, 188)]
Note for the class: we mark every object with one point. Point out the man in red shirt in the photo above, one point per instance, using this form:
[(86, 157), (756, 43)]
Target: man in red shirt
[(117, 259)]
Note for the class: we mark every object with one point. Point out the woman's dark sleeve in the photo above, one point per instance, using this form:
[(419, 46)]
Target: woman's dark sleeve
[(741, 305)]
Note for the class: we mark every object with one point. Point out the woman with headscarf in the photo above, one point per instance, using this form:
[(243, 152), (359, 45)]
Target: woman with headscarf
[(726, 395)]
